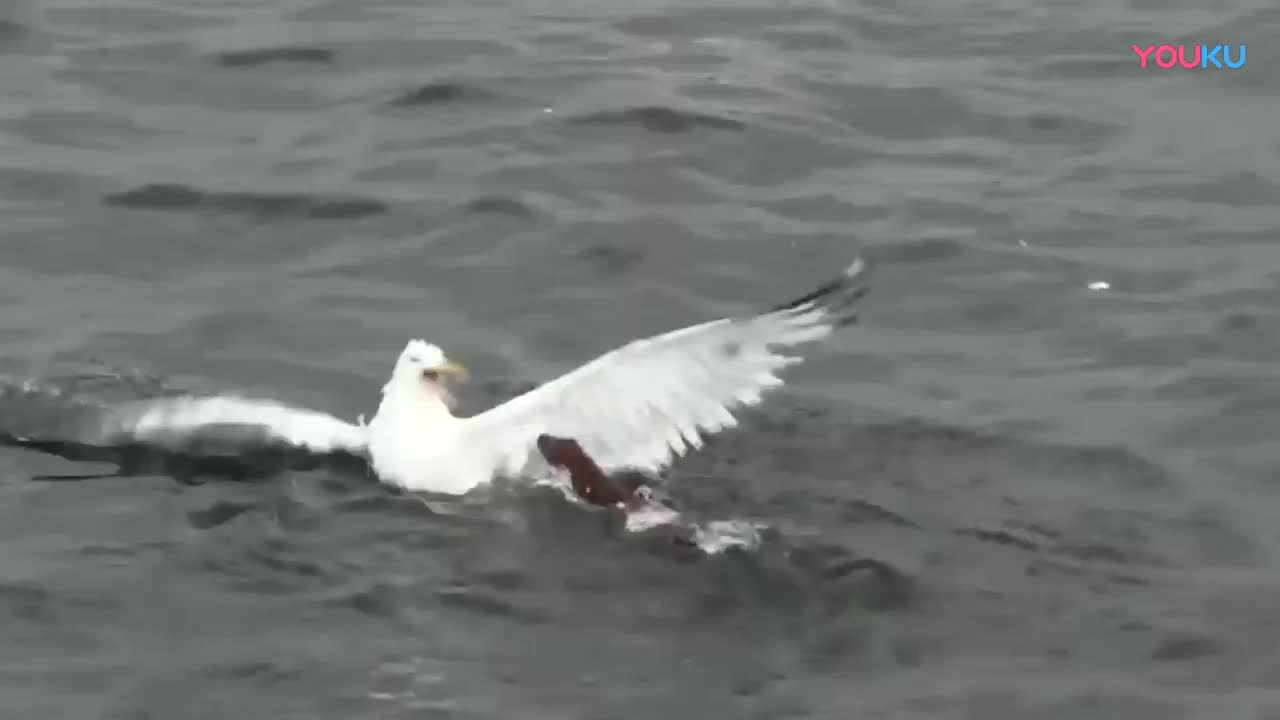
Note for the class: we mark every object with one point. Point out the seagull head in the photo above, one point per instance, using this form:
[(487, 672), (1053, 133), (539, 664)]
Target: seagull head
[(423, 366)]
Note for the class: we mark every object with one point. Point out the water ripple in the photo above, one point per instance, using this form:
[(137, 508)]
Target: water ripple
[(171, 197), (274, 55), (1004, 494)]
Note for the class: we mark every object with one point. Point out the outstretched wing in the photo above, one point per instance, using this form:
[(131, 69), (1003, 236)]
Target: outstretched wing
[(184, 421), (647, 402)]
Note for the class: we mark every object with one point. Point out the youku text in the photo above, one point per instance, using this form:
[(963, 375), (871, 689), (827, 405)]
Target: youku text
[(1193, 56)]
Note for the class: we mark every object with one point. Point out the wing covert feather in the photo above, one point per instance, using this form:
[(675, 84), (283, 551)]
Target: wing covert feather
[(643, 404)]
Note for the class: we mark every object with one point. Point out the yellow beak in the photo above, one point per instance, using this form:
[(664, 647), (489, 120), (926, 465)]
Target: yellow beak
[(449, 367)]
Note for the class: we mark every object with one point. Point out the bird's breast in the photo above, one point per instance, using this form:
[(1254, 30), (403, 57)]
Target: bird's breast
[(415, 455)]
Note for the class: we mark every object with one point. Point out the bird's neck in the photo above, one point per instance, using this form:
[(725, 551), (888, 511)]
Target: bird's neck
[(425, 401)]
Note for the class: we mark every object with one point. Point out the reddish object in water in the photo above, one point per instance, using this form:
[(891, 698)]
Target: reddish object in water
[(590, 482), (594, 486)]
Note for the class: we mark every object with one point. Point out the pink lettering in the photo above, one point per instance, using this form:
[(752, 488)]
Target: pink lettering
[(1173, 56), (1142, 55), (1182, 57)]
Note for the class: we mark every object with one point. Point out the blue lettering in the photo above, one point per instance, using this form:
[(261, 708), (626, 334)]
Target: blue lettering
[(1226, 57), (1207, 55)]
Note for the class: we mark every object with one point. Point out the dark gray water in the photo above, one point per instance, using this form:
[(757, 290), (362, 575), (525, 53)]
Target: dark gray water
[(1003, 495)]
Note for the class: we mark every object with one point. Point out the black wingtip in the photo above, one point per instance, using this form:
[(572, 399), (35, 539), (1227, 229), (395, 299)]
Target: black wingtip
[(840, 292)]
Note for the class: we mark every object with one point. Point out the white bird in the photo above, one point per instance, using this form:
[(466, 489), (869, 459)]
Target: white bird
[(635, 408)]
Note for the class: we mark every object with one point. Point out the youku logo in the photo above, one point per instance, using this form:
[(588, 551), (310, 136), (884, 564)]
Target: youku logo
[(1199, 56)]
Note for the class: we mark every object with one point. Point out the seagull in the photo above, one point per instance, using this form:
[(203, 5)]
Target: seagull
[(634, 409)]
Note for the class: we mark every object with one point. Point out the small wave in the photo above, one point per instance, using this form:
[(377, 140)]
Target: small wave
[(661, 119), (266, 56), (172, 196), (499, 205), (436, 93)]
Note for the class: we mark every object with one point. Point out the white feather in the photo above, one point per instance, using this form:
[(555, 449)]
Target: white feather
[(644, 404), (176, 421)]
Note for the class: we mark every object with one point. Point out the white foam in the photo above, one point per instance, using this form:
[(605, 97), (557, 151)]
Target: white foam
[(720, 535), (712, 538), (650, 516)]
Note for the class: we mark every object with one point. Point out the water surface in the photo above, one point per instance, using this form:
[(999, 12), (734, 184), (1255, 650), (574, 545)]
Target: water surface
[(1002, 495)]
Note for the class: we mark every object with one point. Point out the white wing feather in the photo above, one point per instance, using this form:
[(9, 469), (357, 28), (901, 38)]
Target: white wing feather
[(642, 405), (179, 420)]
